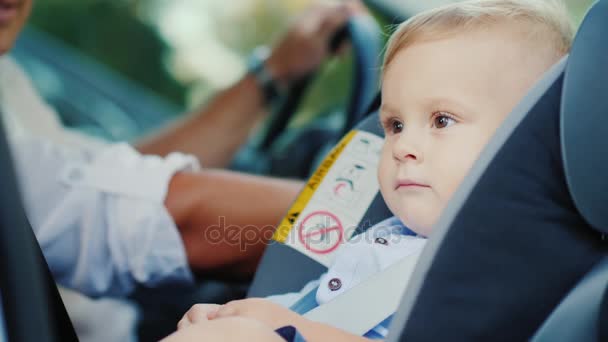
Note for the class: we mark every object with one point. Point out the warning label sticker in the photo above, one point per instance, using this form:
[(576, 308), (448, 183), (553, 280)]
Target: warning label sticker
[(329, 208), (321, 232)]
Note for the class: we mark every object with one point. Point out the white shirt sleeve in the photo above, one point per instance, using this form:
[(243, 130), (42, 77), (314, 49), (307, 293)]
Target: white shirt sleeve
[(99, 215), (26, 114)]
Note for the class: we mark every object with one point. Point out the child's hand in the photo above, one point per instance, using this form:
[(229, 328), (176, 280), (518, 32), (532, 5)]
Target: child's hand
[(228, 329), (253, 319), (198, 313), (259, 309)]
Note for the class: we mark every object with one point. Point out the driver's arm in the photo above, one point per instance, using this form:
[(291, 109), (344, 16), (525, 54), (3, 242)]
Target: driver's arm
[(226, 219), (214, 133), (110, 219)]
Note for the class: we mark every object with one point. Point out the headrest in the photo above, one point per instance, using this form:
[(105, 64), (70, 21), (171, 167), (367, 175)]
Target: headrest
[(371, 123), (584, 121)]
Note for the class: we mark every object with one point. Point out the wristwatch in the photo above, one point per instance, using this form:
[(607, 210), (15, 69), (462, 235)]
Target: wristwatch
[(256, 66)]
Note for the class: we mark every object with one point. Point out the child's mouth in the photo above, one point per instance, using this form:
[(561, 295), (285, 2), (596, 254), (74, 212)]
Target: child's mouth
[(410, 184)]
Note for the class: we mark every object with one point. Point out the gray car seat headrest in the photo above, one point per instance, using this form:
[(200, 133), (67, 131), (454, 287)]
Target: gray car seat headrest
[(584, 120)]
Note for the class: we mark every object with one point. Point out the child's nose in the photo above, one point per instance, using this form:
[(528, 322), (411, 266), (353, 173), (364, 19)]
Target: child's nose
[(406, 149)]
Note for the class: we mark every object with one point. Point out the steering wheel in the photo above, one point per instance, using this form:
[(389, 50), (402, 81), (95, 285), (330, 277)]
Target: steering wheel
[(295, 155)]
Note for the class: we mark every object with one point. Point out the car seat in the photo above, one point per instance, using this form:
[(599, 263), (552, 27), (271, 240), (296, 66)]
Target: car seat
[(571, 94), (568, 100)]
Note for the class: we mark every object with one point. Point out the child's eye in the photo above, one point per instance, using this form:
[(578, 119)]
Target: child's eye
[(393, 126), (443, 120)]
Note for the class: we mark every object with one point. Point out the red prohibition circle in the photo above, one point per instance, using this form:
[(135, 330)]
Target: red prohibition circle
[(303, 236)]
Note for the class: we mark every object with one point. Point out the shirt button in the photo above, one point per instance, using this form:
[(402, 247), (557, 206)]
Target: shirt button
[(381, 241), (335, 284)]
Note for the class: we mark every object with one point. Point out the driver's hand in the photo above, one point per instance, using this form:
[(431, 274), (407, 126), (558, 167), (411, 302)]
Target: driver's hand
[(306, 44)]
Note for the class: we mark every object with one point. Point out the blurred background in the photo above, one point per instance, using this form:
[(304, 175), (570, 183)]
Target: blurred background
[(142, 63)]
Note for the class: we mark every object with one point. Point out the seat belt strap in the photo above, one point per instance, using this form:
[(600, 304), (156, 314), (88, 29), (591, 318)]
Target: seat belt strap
[(306, 303), (366, 305)]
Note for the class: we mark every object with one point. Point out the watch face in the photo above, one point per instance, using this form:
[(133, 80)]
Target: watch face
[(257, 58), (263, 77), (262, 52)]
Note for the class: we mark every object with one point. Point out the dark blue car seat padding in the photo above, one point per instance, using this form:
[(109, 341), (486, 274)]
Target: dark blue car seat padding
[(585, 118), (583, 135), (577, 316)]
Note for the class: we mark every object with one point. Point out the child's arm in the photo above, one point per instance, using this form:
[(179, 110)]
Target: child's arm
[(270, 314)]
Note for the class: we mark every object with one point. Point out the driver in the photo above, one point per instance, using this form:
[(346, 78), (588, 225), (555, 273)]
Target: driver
[(110, 216)]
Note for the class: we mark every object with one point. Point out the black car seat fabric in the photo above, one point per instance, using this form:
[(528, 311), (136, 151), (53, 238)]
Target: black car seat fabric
[(603, 317), (32, 307)]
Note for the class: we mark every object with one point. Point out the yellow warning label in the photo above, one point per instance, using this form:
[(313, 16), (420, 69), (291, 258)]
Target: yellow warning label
[(289, 220)]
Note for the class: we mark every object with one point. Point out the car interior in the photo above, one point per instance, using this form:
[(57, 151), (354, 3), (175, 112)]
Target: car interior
[(572, 90)]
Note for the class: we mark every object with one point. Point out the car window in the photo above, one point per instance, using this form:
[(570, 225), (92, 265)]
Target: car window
[(183, 51), (171, 56)]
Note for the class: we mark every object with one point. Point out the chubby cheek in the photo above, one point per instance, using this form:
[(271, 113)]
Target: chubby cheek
[(450, 183), (454, 163), (420, 215), (386, 169)]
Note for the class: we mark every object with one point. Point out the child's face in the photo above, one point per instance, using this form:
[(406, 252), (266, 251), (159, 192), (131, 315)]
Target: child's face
[(441, 102)]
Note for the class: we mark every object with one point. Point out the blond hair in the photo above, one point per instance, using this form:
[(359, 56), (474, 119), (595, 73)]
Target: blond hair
[(547, 20)]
